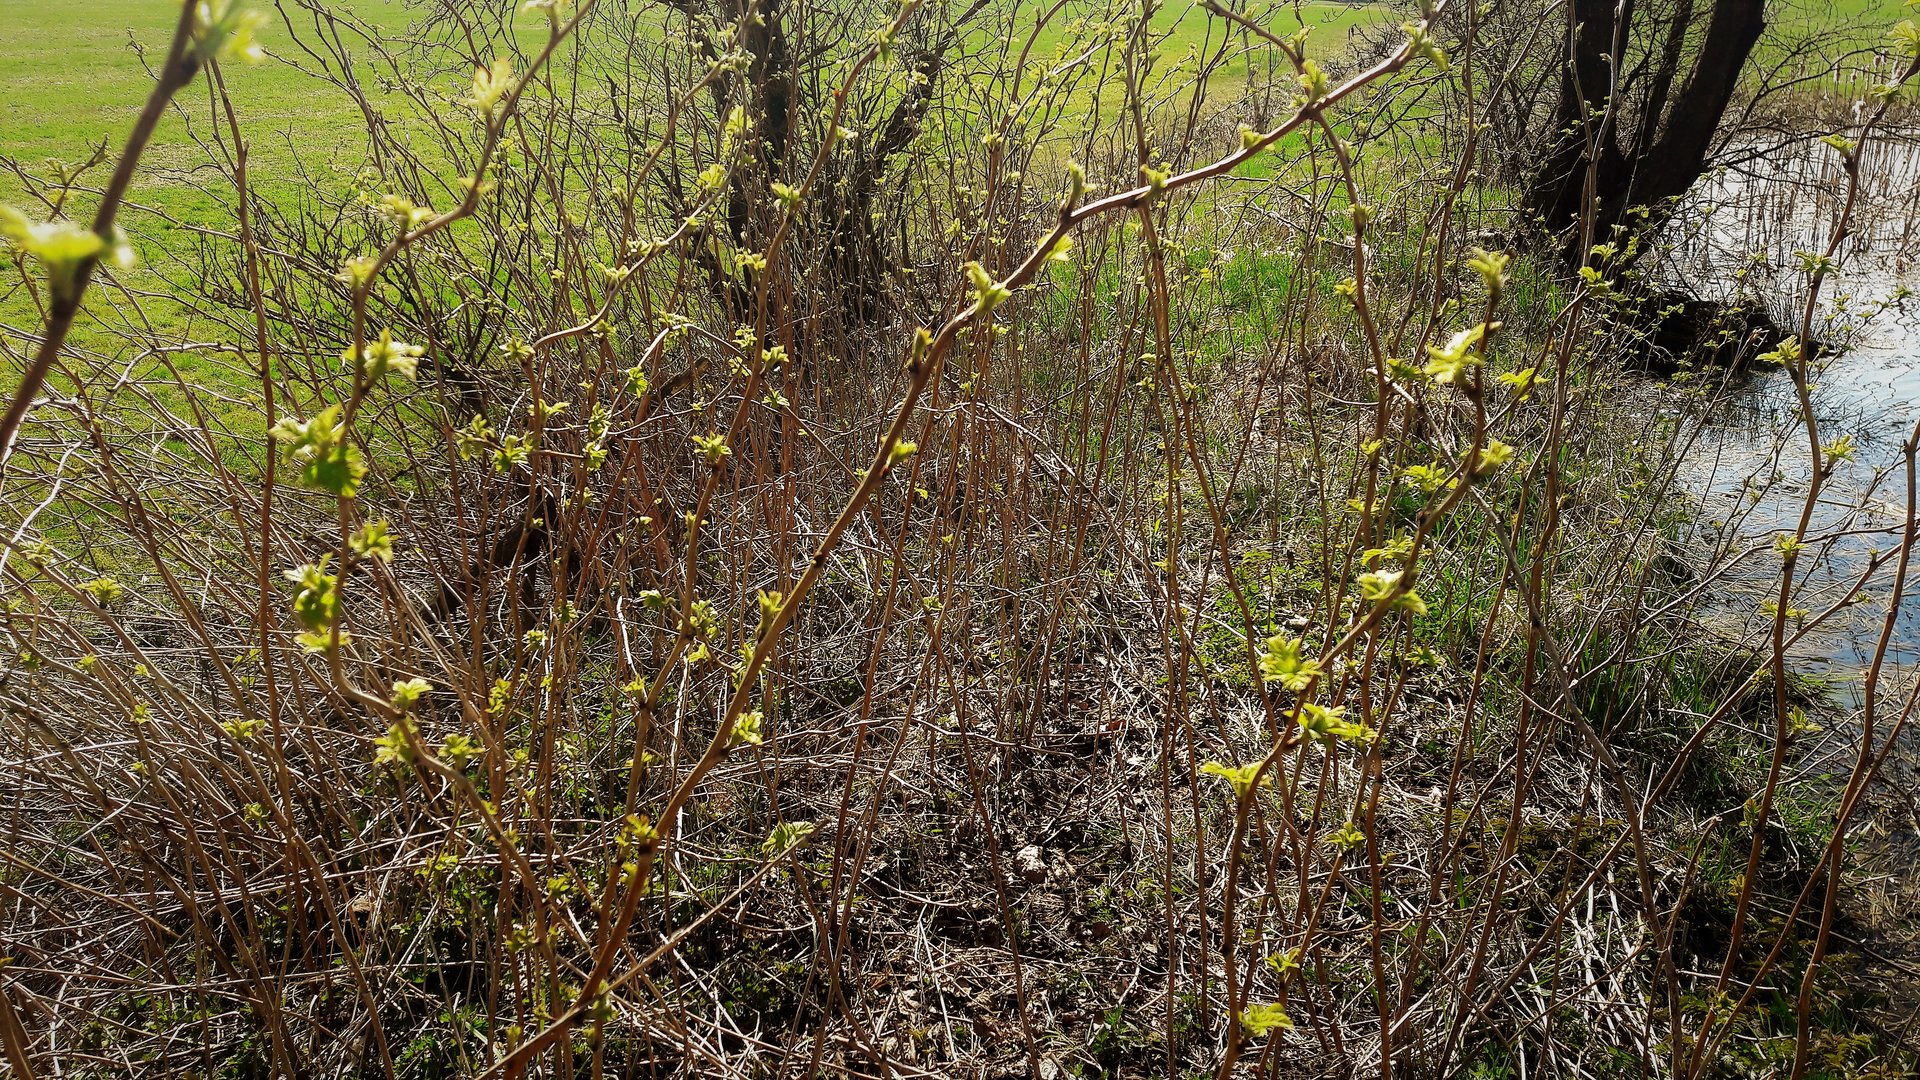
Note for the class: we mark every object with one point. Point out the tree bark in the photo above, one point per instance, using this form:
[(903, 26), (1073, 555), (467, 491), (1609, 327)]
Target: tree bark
[(1670, 132)]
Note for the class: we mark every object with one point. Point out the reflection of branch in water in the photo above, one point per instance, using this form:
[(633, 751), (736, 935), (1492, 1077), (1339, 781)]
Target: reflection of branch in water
[(1741, 229)]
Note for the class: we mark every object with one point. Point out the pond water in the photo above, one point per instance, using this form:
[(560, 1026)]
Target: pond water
[(1749, 462)]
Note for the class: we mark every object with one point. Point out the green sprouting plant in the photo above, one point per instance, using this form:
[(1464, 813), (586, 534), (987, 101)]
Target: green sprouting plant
[(65, 251), (316, 604), (786, 836), (1242, 778), (1329, 724), (1389, 588), (1261, 1020), (328, 459), (1282, 662), (1447, 363), (408, 693)]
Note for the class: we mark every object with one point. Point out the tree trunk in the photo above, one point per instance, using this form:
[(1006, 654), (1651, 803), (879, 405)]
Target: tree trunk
[(1669, 132)]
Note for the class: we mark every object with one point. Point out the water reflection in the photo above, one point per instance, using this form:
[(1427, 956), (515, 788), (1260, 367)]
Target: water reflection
[(1749, 467)]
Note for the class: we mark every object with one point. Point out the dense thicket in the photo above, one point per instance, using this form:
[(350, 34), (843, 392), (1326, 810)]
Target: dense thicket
[(942, 539)]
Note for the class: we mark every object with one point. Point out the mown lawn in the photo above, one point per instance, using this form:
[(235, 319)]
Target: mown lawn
[(72, 78), (75, 76)]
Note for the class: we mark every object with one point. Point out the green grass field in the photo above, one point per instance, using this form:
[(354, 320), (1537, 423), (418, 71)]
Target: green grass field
[(74, 78), (1186, 33)]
